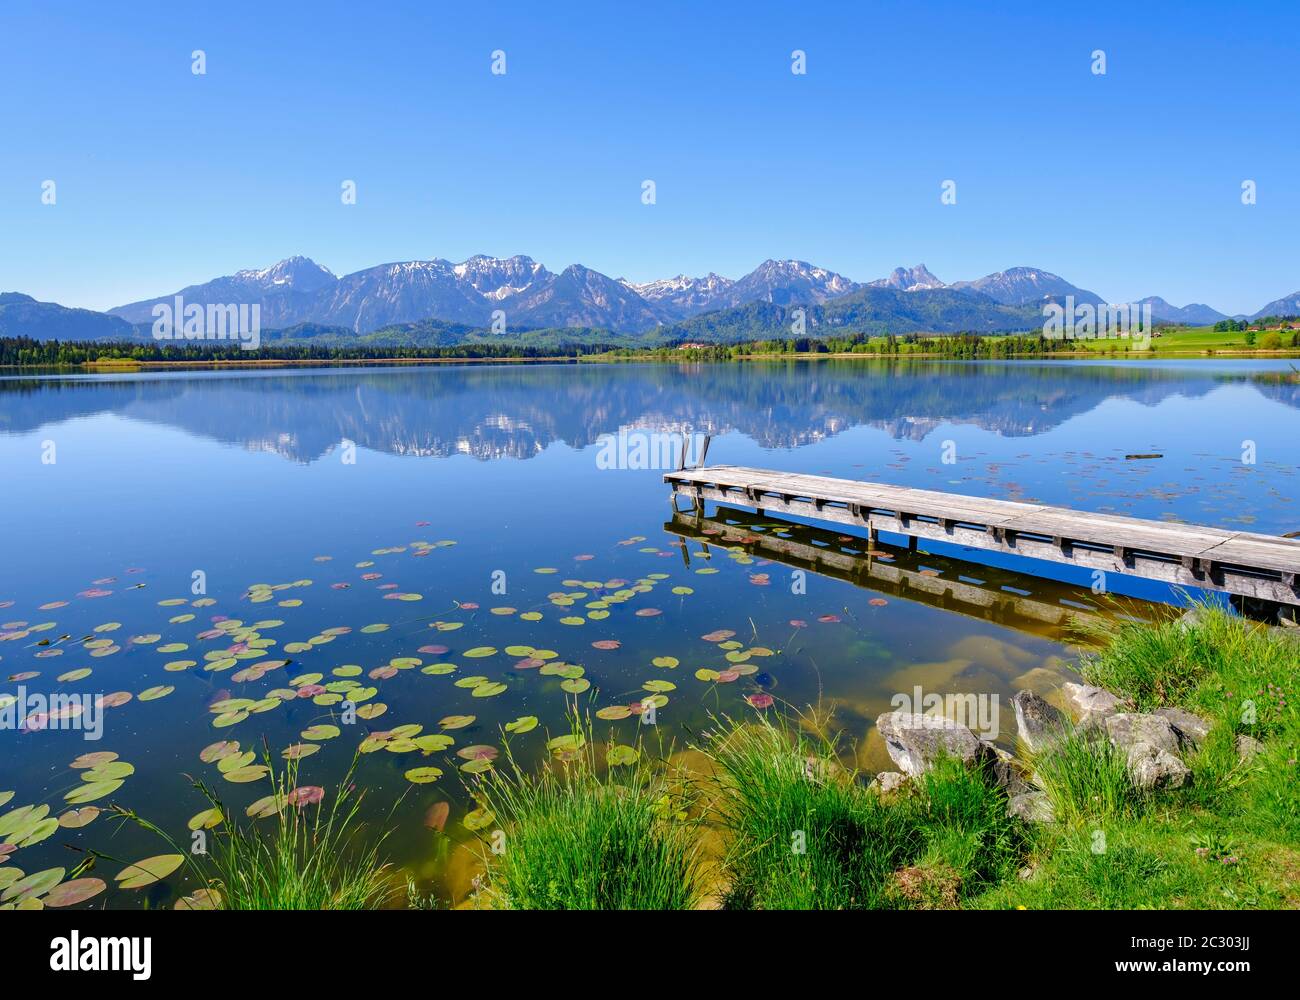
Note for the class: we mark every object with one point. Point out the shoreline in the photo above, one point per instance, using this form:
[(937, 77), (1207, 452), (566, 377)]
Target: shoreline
[(124, 365)]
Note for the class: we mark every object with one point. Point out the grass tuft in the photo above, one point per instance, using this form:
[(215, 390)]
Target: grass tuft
[(312, 857), (579, 836)]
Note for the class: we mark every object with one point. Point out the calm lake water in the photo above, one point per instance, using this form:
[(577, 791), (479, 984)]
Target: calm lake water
[(371, 525)]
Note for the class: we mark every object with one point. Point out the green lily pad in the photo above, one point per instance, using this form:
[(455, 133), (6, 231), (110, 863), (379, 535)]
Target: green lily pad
[(92, 790), (488, 690), (34, 885), (74, 892), (148, 871), (620, 754)]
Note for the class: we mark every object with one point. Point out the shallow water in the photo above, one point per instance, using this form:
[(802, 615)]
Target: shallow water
[(470, 508)]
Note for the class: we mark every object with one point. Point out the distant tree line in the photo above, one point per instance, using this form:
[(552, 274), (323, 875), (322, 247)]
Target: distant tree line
[(27, 351)]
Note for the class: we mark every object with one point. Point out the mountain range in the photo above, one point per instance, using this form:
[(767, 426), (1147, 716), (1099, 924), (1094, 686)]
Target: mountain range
[(525, 295)]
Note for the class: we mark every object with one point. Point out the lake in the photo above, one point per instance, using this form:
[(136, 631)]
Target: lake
[(447, 547)]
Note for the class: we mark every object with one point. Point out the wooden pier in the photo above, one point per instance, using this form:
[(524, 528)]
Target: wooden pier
[(937, 581), (1262, 567)]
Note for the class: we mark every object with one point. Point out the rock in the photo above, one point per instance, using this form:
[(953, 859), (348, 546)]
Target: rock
[(1090, 704), (888, 781), (1151, 767), (1248, 747), (1128, 729), (916, 741), (1191, 729), (1040, 680), (1007, 772), (1038, 723), (1032, 807), (1191, 619)]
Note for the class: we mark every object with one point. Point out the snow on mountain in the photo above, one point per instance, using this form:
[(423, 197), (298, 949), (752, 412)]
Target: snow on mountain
[(1019, 286), (908, 279), (789, 282), (1288, 305)]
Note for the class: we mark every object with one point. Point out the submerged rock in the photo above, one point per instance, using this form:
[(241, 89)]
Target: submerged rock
[(1038, 723), (1192, 730), (1032, 807), (916, 741), (1090, 704)]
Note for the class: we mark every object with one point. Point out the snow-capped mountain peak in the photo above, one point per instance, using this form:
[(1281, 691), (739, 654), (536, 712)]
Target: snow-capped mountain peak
[(908, 279), (297, 272)]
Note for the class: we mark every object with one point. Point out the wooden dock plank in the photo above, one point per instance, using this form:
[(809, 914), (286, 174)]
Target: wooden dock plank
[(1244, 563)]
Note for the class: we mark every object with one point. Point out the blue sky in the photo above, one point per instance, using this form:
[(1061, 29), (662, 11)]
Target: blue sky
[(1127, 183)]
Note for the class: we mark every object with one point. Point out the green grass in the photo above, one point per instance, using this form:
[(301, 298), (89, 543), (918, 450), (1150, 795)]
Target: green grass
[(804, 833), (576, 836), (309, 857), (1231, 839), (1086, 779), (1190, 340)]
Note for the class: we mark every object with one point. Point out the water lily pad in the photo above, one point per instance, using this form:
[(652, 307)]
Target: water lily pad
[(613, 713), (93, 759), (91, 791), (488, 690), (321, 731), (74, 819), (235, 761), (200, 899), (478, 819), (436, 816), (148, 871), (523, 724), (267, 805), (620, 755), (215, 751), (244, 775), (423, 775), (108, 771), (206, 819), (457, 721), (305, 795), (34, 885), (74, 892)]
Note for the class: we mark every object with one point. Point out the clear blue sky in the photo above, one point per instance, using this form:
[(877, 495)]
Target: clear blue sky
[(1128, 183)]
